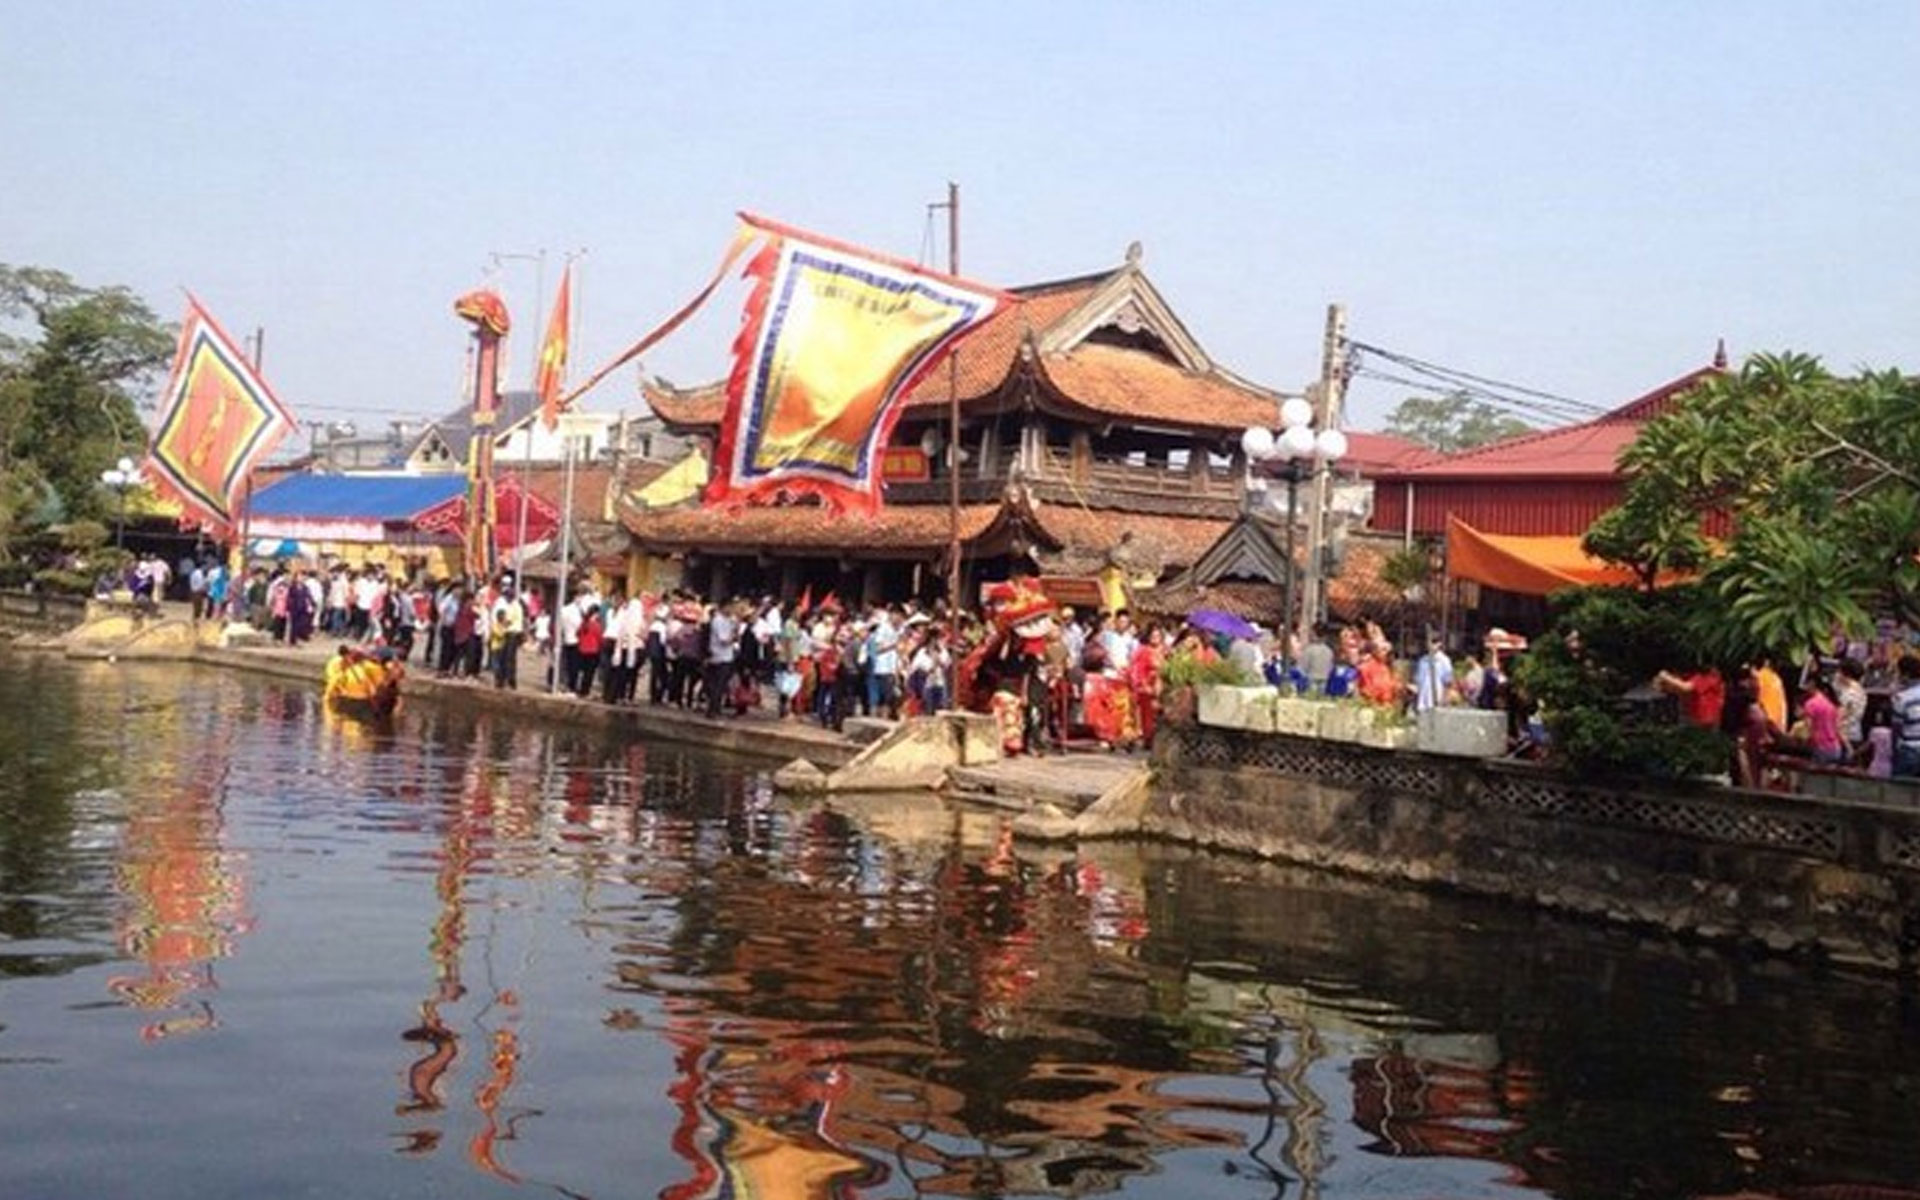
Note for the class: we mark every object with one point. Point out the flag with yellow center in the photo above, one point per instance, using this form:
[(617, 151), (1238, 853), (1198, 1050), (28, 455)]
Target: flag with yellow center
[(833, 337), (218, 420)]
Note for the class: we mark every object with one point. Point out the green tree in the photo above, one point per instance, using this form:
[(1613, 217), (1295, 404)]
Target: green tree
[(1606, 642), (70, 393), (1818, 477), (1453, 422)]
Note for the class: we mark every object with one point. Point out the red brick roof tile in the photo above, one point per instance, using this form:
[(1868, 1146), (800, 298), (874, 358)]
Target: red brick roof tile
[(1586, 451), (1133, 383), (1175, 541)]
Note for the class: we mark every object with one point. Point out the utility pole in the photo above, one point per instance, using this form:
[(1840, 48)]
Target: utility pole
[(237, 582), (1327, 415)]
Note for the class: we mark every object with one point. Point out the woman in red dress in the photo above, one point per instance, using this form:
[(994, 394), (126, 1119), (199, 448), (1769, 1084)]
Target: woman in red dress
[(1143, 676)]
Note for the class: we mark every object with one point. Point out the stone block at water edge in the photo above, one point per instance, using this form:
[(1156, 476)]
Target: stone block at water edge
[(1463, 732)]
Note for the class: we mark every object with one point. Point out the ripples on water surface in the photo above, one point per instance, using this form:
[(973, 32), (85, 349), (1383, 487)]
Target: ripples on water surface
[(247, 949)]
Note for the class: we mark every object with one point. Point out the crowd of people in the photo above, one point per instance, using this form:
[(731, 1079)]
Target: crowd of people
[(200, 579), (1086, 680), (1848, 711)]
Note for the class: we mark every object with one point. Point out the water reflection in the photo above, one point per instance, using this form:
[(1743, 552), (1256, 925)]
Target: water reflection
[(184, 894), (509, 958)]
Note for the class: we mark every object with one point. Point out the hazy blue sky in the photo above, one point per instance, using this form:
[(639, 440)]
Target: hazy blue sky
[(1578, 196)]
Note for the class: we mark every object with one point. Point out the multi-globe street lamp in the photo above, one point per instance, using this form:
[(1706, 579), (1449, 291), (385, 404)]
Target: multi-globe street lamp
[(122, 477), (1293, 454)]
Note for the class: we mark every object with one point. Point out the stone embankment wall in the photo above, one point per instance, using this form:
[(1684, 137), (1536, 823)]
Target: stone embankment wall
[(23, 612), (1836, 878)]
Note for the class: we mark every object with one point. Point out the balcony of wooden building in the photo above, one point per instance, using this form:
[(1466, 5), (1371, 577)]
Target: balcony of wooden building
[(1179, 481)]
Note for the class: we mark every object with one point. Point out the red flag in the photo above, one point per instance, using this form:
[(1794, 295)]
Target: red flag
[(806, 601), (553, 354)]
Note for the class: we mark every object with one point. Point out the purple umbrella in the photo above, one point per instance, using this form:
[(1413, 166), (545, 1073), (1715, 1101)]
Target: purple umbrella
[(1213, 620)]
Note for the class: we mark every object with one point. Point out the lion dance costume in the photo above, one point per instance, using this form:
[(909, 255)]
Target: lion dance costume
[(1006, 676)]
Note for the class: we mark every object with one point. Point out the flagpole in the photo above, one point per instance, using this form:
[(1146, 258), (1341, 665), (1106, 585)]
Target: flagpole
[(235, 583)]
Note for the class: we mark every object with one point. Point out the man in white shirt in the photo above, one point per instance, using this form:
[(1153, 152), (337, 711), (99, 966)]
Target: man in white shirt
[(1432, 677), (1120, 642), (883, 658), (508, 629), (573, 614), (723, 641)]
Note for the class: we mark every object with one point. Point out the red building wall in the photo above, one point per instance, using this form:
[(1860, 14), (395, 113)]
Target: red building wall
[(1527, 507)]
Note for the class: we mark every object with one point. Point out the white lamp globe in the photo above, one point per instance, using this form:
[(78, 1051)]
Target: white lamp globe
[(1257, 441), (126, 466), (1296, 441), (1330, 444), (1296, 413)]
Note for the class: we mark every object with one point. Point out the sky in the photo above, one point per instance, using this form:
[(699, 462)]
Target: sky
[(1582, 198)]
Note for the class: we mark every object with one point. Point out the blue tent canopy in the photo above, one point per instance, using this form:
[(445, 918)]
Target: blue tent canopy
[(355, 497)]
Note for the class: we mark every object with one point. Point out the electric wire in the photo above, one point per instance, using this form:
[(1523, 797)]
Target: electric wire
[(1508, 404), (1424, 367)]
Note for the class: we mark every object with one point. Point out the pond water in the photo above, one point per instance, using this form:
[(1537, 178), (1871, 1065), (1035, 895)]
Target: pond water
[(247, 948)]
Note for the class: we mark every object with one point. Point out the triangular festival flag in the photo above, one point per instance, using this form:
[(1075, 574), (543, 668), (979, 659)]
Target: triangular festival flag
[(218, 419), (832, 337), (553, 354)]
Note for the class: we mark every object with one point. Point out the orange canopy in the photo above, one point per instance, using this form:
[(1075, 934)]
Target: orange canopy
[(1531, 566)]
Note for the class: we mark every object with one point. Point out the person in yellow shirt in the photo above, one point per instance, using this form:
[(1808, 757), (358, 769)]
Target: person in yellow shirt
[(365, 683), (1771, 692), (336, 670)]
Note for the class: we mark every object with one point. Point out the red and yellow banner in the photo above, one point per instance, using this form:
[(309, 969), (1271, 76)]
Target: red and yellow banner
[(553, 353), (833, 336), (218, 419)]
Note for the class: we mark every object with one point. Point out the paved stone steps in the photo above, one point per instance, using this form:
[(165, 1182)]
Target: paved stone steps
[(1069, 782)]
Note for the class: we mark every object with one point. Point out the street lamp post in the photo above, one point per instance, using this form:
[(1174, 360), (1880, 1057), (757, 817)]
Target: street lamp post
[(1297, 449), (121, 477)]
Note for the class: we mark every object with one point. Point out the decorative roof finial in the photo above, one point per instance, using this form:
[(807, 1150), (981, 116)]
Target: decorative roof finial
[(1134, 251), (1720, 355)]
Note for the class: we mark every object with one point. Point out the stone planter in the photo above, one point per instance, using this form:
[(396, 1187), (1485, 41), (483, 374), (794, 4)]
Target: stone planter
[(1227, 707), (1297, 717), (1344, 722), (1390, 737), (1463, 732)]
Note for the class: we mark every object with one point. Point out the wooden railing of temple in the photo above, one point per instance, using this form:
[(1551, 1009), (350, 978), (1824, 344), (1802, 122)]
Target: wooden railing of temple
[(1213, 491)]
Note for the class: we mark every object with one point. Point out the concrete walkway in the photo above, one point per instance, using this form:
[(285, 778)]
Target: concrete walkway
[(1069, 782), (759, 734)]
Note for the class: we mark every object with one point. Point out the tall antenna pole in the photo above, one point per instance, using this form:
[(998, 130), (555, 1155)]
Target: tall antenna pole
[(539, 260), (954, 572)]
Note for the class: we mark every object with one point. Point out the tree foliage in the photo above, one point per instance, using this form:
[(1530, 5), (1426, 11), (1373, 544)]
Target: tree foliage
[(1453, 422), (71, 389), (1819, 479), (1604, 643)]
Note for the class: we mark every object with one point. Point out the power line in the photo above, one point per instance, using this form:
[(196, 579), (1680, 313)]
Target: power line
[(1527, 408), (1480, 383)]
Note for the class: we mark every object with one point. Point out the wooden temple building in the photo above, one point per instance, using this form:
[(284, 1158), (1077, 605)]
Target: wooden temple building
[(1095, 432)]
